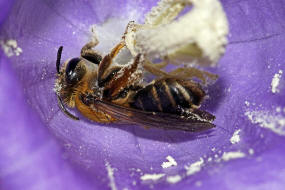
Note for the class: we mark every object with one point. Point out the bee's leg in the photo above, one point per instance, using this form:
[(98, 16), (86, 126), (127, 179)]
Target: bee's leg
[(88, 47), (114, 78), (155, 69), (190, 72), (106, 63), (186, 73), (116, 49), (90, 54), (87, 108), (180, 73), (129, 27), (124, 78)]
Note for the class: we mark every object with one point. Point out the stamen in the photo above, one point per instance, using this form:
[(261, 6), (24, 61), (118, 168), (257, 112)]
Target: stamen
[(198, 37)]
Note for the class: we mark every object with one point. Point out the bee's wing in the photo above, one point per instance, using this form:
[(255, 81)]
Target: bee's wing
[(197, 120)]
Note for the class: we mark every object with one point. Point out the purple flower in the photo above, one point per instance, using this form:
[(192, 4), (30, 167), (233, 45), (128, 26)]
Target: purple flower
[(41, 148)]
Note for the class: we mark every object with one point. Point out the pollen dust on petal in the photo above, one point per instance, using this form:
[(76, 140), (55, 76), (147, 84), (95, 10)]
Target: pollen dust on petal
[(152, 177), (274, 122), (111, 177), (10, 48), (235, 138), (275, 82), (194, 167), (171, 162)]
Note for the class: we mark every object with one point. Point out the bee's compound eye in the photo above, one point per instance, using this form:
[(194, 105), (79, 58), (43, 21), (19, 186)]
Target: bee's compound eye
[(71, 74)]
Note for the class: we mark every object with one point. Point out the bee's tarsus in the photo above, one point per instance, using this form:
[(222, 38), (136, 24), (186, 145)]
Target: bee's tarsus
[(61, 106), (59, 51), (89, 54)]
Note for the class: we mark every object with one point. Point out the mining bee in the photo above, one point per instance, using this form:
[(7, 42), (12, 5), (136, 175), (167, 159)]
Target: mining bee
[(107, 91)]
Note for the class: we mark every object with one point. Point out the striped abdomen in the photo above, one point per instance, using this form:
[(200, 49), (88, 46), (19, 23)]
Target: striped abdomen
[(168, 95)]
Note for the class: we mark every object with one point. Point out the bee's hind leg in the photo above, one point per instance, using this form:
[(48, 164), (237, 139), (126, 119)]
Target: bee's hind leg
[(179, 73), (87, 51), (155, 69), (186, 73)]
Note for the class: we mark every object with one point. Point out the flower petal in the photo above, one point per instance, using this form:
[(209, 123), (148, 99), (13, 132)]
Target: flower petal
[(118, 156), (30, 157)]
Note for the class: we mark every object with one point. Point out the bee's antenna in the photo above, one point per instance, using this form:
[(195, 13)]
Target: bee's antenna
[(58, 59), (61, 106)]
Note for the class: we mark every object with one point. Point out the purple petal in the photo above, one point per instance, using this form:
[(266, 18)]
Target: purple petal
[(5, 8), (47, 149), (30, 156)]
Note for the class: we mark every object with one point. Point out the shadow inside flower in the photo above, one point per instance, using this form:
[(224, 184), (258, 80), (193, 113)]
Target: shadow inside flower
[(216, 93), (163, 135)]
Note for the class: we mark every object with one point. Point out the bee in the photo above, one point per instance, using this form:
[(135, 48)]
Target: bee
[(107, 92)]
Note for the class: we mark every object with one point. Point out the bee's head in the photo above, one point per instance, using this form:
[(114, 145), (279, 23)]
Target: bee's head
[(72, 77), (77, 75), (69, 78)]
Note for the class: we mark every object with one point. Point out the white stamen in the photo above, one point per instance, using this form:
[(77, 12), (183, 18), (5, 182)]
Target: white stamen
[(199, 34)]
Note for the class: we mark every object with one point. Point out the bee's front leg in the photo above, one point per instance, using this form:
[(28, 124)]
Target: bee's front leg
[(87, 52)]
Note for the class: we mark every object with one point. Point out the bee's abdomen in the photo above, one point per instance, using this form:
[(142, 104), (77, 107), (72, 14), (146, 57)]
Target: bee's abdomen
[(168, 95)]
